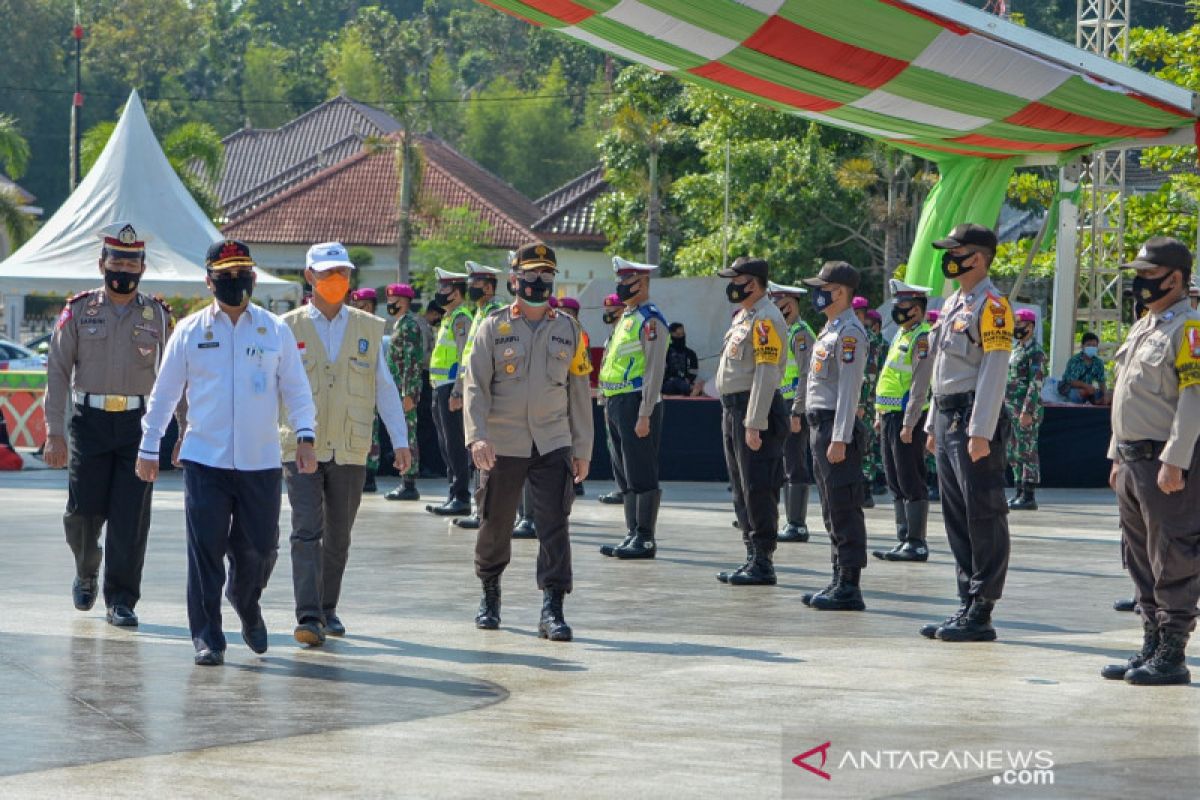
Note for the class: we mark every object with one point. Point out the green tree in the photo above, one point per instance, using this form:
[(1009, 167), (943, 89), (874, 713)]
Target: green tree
[(455, 235), (352, 68), (14, 156), (264, 90)]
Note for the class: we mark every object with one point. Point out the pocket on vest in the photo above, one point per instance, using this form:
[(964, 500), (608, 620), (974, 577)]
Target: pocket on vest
[(358, 428), (359, 376)]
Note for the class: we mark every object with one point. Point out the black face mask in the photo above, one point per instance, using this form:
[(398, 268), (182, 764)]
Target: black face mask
[(443, 298), (475, 294), (234, 291), (393, 309), (678, 341), (952, 266), (901, 315), (1150, 290), (1021, 331), (822, 299), (625, 291), (535, 293), (611, 316), (737, 293), (121, 282)]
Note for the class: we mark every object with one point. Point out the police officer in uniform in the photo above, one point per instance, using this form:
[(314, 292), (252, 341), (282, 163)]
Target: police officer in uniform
[(837, 437), (631, 377), (444, 366), (969, 428), (112, 338), (1026, 372), (754, 419), (481, 300), (528, 417), (795, 447), (902, 400), (1156, 462), (613, 309)]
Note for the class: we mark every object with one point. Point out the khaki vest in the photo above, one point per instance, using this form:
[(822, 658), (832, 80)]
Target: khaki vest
[(343, 390)]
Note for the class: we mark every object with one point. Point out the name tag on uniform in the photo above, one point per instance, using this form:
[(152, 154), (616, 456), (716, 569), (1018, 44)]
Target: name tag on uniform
[(203, 345)]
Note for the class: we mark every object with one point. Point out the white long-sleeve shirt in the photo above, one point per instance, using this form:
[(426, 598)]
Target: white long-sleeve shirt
[(235, 376), (387, 397)]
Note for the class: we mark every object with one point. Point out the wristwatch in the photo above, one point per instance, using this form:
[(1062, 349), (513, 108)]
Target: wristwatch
[(306, 439)]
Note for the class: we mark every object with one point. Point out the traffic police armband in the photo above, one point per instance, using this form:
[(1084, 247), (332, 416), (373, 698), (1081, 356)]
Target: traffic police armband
[(1187, 362), (768, 348), (996, 324), (581, 365)]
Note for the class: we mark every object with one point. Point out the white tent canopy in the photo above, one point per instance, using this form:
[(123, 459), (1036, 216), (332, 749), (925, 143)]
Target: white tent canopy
[(132, 181)]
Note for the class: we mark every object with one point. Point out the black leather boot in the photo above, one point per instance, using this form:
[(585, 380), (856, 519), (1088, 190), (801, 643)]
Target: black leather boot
[(1168, 665), (83, 593), (725, 575), (901, 530), (1028, 502), (450, 508), (1116, 672), (488, 618), (795, 503), (552, 626), (759, 572), (524, 529), (643, 544), (845, 595), (369, 486), (408, 491), (929, 631), (914, 547), (1019, 496), (1125, 604), (629, 500), (974, 626), (808, 597), (610, 498), (868, 498)]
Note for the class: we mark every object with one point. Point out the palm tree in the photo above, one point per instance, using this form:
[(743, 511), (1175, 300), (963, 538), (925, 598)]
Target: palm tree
[(14, 157), (194, 151), (651, 132)]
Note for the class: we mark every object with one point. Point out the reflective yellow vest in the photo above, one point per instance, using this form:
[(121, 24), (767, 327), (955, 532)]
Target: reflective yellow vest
[(624, 360), (446, 360), (891, 393), (791, 373)]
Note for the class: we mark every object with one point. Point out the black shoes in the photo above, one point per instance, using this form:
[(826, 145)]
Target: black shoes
[(1168, 665), (333, 626), (795, 503), (406, 492), (645, 519), (83, 593), (759, 572), (369, 486), (1024, 499), (255, 636), (629, 501), (868, 498), (450, 508), (488, 616), (579, 490), (794, 532), (552, 626), (121, 616), (808, 597), (1116, 672), (309, 633), (209, 658), (525, 529), (845, 594), (911, 550), (471, 523), (725, 575), (974, 626), (930, 631), (1120, 605), (611, 498), (642, 546)]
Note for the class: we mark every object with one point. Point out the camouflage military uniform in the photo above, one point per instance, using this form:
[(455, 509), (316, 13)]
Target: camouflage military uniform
[(1026, 371), (872, 460), (406, 358)]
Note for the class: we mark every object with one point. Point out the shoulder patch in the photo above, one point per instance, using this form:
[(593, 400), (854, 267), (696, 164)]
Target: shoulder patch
[(651, 329), (996, 324), (768, 347), (64, 317), (1187, 361), (921, 346), (849, 345), (581, 365)]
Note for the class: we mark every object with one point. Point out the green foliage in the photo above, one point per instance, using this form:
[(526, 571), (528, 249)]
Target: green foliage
[(263, 84), (361, 257), (14, 150), (456, 236)]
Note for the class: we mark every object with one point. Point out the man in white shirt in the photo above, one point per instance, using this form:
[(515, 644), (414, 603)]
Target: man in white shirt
[(236, 361), (342, 352)]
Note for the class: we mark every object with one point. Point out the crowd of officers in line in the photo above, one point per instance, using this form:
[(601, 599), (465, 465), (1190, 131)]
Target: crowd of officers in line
[(512, 409)]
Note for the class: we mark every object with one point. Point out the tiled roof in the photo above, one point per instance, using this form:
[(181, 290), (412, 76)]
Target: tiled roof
[(1140, 179), (569, 212), (259, 163), (355, 202)]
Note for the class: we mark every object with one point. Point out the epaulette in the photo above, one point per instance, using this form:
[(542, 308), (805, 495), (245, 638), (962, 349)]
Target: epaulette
[(650, 311), (165, 305), (83, 294)]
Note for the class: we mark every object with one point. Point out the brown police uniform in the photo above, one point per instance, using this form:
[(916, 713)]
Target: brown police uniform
[(102, 365)]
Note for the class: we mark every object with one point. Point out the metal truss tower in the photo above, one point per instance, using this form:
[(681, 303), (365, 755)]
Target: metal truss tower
[(1102, 27)]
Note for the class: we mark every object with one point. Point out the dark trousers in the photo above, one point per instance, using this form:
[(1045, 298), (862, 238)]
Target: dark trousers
[(635, 459), (1161, 535), (904, 464), (427, 431), (797, 456), (840, 487), (232, 513), (324, 505), (452, 441), (552, 492), (756, 476), (974, 507), (102, 486)]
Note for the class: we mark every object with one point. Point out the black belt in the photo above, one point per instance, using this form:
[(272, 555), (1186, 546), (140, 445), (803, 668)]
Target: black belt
[(819, 416), (1144, 450), (952, 402)]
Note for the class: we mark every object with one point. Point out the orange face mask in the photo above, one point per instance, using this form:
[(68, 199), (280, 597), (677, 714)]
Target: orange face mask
[(332, 288)]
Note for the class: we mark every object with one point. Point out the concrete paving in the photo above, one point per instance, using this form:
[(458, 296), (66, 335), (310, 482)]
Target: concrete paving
[(676, 685)]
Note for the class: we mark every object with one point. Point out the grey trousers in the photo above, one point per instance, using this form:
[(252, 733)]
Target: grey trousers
[(324, 505)]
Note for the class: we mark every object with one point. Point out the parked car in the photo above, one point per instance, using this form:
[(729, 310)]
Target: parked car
[(40, 345), (15, 356)]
